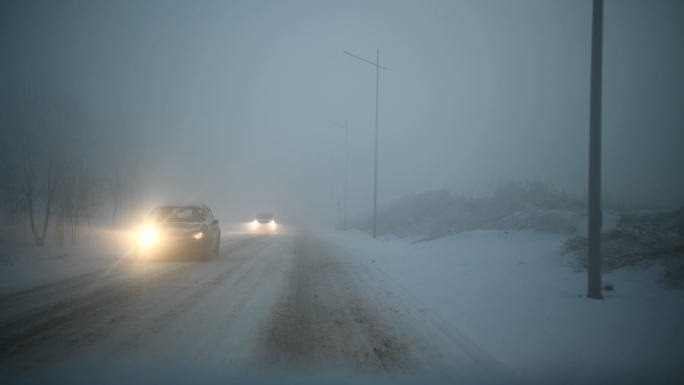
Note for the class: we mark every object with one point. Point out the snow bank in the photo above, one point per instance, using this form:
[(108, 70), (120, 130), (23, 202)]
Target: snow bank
[(23, 266), (514, 296)]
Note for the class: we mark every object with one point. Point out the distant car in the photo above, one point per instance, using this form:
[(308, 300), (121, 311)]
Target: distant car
[(184, 230), (265, 221)]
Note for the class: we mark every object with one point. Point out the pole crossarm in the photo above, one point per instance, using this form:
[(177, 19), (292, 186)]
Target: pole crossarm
[(367, 61), (345, 127)]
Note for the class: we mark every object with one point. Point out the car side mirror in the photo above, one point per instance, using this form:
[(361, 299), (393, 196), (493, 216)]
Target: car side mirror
[(214, 222)]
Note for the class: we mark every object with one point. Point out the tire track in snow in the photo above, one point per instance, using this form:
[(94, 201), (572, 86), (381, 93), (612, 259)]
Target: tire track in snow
[(19, 333), (190, 296), (324, 320), (14, 333)]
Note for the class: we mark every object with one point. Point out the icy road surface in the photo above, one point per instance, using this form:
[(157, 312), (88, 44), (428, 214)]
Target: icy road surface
[(290, 303)]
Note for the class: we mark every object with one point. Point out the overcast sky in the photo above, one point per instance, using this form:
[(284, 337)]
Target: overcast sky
[(233, 99)]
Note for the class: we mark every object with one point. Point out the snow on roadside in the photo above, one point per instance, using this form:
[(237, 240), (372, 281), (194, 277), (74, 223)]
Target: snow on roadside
[(517, 298), (23, 266)]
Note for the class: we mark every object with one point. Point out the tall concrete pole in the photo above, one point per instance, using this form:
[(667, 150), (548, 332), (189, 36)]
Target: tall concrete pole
[(595, 214), (375, 181), (346, 162)]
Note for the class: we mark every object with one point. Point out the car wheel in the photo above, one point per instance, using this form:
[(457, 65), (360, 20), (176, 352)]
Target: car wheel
[(206, 256), (217, 250)]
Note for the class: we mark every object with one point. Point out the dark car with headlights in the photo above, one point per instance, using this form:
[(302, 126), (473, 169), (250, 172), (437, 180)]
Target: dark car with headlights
[(182, 230), (265, 221)]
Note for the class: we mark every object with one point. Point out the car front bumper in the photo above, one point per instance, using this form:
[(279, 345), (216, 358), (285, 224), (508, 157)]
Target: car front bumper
[(173, 248)]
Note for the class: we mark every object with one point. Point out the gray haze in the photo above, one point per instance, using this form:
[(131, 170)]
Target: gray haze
[(228, 102)]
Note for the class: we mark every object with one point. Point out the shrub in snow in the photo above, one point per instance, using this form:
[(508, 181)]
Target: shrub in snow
[(512, 205), (639, 239)]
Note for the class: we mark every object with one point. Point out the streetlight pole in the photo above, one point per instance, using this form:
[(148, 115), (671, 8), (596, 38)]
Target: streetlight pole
[(375, 181), (595, 214), (346, 157)]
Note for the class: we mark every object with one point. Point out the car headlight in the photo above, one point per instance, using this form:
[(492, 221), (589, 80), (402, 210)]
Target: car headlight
[(199, 235), (273, 224), (147, 236), (255, 223)]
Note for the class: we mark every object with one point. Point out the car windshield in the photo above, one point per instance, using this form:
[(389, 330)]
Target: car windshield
[(264, 217), (177, 214)]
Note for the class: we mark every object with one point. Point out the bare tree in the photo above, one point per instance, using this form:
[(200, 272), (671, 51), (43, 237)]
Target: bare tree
[(77, 198), (118, 172), (61, 121), (19, 166), (18, 176), (59, 227), (41, 143), (12, 201), (89, 200), (66, 204), (117, 184)]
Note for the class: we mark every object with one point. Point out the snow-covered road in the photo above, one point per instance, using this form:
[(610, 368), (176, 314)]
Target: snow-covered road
[(271, 304)]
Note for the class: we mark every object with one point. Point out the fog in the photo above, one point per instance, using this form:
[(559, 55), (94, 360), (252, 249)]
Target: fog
[(229, 103)]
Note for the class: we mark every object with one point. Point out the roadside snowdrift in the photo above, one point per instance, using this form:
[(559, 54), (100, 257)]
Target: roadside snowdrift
[(23, 266), (514, 295)]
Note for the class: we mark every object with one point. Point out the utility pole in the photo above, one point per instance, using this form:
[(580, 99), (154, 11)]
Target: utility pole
[(346, 157), (595, 214), (375, 182), (332, 186)]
